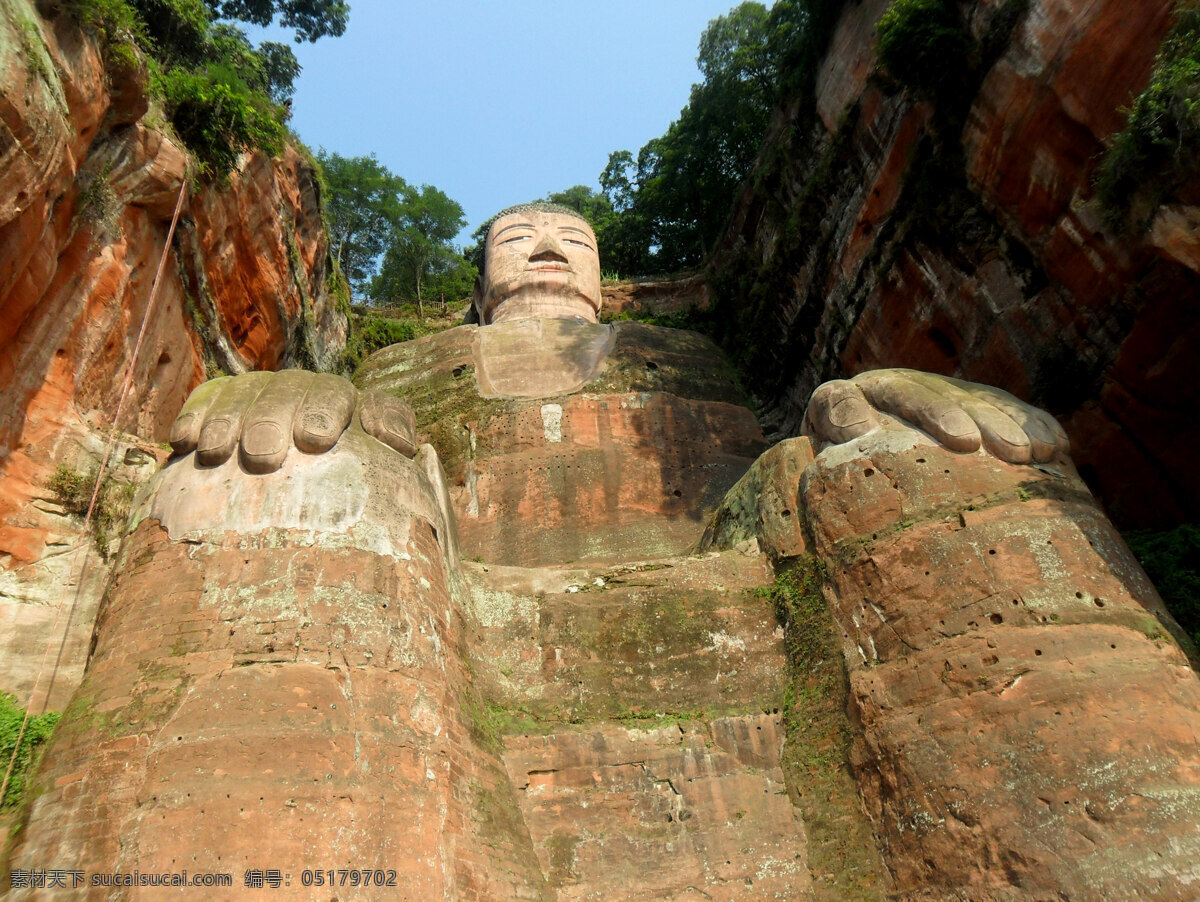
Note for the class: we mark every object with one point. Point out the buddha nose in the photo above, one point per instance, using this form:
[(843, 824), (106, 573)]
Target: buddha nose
[(548, 249)]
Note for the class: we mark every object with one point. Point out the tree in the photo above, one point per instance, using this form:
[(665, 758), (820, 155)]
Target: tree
[(671, 202), (583, 200), (364, 207), (222, 95), (690, 175), (617, 180), (420, 262), (312, 19)]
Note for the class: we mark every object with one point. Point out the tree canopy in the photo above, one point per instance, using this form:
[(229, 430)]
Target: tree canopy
[(362, 206), (667, 205), (311, 19), (391, 239), (420, 262)]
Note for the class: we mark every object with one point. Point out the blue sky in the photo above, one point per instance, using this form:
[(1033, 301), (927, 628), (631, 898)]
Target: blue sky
[(499, 103)]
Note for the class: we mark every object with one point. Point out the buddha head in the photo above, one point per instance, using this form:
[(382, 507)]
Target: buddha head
[(539, 261)]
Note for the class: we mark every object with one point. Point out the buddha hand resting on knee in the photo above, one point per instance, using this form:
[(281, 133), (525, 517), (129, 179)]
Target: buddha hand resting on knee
[(262, 415)]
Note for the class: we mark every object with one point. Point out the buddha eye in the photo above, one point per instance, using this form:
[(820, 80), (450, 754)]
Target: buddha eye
[(577, 243), (516, 238)]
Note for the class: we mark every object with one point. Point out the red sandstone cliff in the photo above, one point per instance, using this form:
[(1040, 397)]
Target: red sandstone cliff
[(87, 190), (875, 246)]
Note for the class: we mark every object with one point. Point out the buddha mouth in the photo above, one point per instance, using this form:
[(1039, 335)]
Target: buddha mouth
[(548, 267)]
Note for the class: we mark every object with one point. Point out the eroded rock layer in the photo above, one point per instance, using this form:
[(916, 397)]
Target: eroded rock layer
[(883, 229), (640, 712), (618, 451), (87, 192)]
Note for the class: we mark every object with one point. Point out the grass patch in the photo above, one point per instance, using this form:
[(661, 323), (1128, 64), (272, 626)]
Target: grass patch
[(37, 732), (841, 847), (692, 318), (99, 208), (37, 58), (375, 328), (490, 722)]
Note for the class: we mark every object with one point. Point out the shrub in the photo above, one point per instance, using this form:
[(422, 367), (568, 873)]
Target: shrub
[(220, 93), (37, 731), (73, 490), (923, 45), (99, 207), (219, 116), (369, 334), (1158, 151)]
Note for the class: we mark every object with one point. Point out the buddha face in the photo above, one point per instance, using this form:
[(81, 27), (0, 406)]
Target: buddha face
[(539, 264)]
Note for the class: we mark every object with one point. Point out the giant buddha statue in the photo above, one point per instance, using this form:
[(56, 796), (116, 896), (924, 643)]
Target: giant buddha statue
[(491, 623)]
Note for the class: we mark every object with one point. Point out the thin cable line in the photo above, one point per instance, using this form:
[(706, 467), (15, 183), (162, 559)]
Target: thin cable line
[(87, 520)]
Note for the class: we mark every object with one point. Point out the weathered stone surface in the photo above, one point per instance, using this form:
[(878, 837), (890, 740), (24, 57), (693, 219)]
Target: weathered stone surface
[(1045, 107), (995, 267), (655, 296), (764, 506), (282, 700), (511, 359), (674, 636), (694, 811), (260, 266), (1176, 231), (540, 260), (628, 467), (87, 190), (1028, 725), (288, 670), (48, 606), (639, 712)]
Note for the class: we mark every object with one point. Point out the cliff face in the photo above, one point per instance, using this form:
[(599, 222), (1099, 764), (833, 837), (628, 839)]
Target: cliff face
[(875, 235), (87, 189)]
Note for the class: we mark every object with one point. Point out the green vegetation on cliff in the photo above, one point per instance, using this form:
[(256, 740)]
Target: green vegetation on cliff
[(37, 731), (775, 324), (816, 754), (73, 490), (1158, 151), (922, 43), (223, 96), (1171, 559), (373, 328)]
